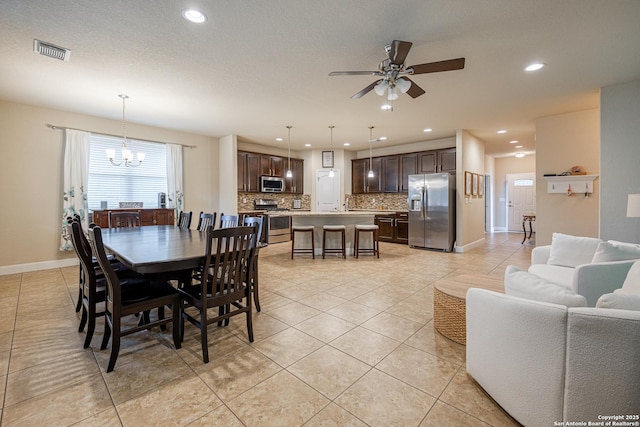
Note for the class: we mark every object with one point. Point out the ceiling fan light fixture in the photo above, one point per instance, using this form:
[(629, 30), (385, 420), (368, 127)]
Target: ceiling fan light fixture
[(403, 84), (381, 87), (392, 93)]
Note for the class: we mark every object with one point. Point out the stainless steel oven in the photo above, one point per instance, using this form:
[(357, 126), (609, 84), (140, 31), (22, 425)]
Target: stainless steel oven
[(278, 228)]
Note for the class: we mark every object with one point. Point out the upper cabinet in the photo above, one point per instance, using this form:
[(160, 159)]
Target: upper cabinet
[(391, 172), (253, 165)]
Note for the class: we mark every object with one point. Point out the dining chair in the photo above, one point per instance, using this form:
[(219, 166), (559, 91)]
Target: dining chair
[(124, 219), (205, 220), (254, 221), (184, 220), (138, 299), (227, 221), (222, 284)]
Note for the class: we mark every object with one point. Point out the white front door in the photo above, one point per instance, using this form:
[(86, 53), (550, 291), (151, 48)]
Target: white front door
[(327, 191), (521, 194)]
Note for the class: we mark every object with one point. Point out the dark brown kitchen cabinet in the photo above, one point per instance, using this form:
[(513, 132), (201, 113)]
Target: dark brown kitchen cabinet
[(393, 227), (273, 165), (447, 160), (427, 162), (360, 181), (242, 171), (159, 216), (408, 166), (249, 171), (390, 174), (294, 185)]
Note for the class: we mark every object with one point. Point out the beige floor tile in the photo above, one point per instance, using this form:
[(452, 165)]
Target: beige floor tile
[(424, 371), (443, 415), (288, 346), (323, 301), (392, 326), (108, 418), (381, 400), (221, 342), (221, 416), (365, 345), (264, 326), (413, 310), (334, 416), (178, 403), (466, 395), (325, 327), (235, 373), (429, 340), (282, 400), (48, 349), (66, 406), (329, 371), (353, 312), (294, 313)]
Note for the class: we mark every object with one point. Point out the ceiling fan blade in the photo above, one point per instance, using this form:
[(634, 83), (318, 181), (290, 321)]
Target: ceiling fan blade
[(355, 73), (399, 51), (366, 90), (436, 67), (415, 90)]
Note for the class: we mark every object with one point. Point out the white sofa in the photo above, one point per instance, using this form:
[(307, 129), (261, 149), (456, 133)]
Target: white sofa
[(545, 363), (588, 266)]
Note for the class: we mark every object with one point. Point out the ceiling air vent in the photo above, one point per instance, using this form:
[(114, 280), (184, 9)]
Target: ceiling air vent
[(51, 50)]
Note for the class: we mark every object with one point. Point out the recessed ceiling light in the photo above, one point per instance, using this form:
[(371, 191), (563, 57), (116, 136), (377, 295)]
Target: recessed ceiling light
[(382, 138), (502, 131), (534, 67), (307, 145), (387, 107), (346, 144), (428, 130), (515, 141), (279, 139), (519, 146), (193, 15), (519, 155)]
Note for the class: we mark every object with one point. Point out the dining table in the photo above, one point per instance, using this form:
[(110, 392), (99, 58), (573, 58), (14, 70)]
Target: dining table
[(156, 249)]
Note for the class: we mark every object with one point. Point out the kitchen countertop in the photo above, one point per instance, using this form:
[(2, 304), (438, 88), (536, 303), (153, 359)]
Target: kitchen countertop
[(331, 213)]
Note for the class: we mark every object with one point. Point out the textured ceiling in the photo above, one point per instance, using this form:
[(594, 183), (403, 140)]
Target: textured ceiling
[(255, 67)]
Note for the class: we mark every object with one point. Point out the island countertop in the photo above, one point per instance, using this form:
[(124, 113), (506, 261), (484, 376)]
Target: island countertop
[(351, 213)]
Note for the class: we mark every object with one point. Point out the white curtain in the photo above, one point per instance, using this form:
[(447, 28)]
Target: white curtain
[(175, 189), (76, 172)]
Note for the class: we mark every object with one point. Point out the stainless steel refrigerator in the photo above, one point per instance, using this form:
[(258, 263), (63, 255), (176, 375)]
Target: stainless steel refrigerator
[(432, 211)]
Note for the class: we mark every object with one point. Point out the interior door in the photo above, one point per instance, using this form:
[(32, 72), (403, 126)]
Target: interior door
[(328, 191), (521, 194)]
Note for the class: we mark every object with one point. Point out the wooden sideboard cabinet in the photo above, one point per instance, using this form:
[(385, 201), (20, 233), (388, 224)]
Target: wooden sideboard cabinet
[(156, 216)]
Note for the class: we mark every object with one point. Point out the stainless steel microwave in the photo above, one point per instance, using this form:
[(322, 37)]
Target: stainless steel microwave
[(271, 184)]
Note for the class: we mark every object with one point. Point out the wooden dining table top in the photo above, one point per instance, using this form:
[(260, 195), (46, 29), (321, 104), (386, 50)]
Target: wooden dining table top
[(156, 248)]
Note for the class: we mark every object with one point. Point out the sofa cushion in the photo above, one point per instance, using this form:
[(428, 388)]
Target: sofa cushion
[(572, 251), (522, 284), (616, 251), (554, 274), (620, 301), (631, 285)]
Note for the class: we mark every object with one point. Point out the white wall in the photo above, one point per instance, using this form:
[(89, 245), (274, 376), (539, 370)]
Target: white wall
[(564, 141), (620, 155), (469, 210)]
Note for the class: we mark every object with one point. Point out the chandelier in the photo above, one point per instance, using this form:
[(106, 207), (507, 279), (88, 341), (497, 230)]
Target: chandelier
[(127, 155)]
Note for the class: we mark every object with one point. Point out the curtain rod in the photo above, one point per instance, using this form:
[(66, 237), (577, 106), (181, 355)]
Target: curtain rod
[(54, 127)]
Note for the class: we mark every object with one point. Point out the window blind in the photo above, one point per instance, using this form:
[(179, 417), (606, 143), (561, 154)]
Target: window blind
[(115, 184)]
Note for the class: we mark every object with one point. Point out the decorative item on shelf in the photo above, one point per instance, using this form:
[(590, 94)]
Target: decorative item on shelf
[(127, 155), (289, 173), (577, 170), (569, 191)]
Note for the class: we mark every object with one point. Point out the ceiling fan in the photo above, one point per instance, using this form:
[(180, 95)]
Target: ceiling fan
[(394, 72)]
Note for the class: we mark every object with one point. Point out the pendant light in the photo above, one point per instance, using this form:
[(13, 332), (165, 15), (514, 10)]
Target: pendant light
[(289, 173), (127, 156), (331, 174), (370, 174)]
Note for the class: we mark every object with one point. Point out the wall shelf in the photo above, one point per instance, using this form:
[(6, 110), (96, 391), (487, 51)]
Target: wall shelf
[(579, 184)]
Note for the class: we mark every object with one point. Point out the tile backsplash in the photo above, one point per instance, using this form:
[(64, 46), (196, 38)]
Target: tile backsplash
[(376, 201), (245, 200)]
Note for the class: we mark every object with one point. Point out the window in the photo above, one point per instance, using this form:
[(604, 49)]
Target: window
[(125, 184), (523, 183)]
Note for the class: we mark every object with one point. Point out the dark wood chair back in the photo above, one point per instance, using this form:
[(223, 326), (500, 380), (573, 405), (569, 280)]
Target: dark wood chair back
[(124, 219), (138, 298), (223, 281), (256, 222), (184, 220), (205, 220)]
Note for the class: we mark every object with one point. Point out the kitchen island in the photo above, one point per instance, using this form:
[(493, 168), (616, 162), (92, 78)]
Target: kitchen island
[(318, 219)]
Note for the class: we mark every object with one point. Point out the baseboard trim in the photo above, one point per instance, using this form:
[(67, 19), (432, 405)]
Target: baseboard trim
[(468, 246), (35, 266)]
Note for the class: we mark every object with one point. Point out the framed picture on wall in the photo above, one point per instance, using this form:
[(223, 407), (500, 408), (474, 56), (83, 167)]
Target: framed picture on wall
[(474, 185), (467, 183), (327, 159), (480, 185)]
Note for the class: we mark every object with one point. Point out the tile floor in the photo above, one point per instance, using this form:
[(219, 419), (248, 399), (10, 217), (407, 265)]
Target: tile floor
[(338, 343)]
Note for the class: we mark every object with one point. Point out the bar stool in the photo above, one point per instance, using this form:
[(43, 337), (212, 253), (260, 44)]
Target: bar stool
[(302, 229), (333, 229), (366, 228)]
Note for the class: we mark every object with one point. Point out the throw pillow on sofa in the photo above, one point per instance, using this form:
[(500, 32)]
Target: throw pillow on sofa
[(522, 284), (619, 301), (616, 251), (572, 251)]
